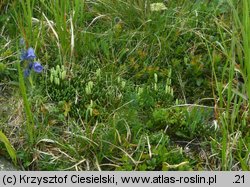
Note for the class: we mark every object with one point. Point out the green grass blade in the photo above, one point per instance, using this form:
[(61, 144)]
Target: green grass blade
[(8, 146)]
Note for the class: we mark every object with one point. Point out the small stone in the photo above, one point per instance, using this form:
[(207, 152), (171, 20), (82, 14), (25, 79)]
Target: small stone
[(6, 165)]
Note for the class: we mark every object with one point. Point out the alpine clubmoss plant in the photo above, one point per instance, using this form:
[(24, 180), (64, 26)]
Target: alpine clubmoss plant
[(27, 61)]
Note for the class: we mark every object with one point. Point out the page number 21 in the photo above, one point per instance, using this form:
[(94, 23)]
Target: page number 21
[(239, 179)]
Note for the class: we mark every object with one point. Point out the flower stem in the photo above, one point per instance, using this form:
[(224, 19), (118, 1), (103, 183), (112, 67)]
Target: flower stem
[(30, 120)]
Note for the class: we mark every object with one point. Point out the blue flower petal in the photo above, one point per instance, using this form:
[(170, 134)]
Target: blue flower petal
[(37, 67), (30, 54)]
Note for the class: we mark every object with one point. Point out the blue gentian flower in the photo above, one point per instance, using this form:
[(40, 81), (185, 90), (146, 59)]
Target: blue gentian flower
[(30, 54), (37, 67)]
